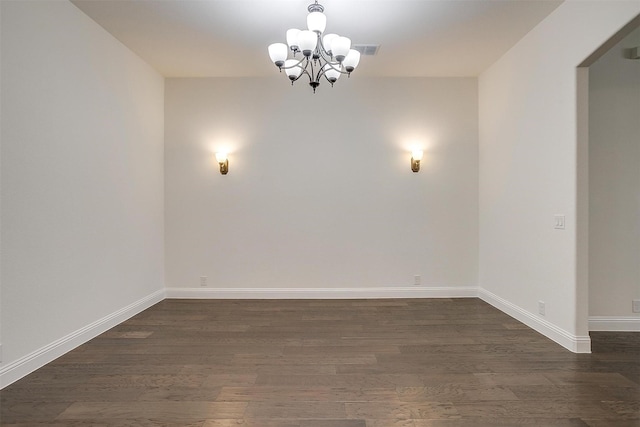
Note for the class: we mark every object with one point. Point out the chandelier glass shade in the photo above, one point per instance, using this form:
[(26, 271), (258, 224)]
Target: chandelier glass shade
[(312, 54)]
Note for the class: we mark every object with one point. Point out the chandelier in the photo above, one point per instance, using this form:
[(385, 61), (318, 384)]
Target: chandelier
[(327, 56)]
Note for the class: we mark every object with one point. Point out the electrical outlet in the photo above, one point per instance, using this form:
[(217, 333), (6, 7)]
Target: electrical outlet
[(203, 281), (0, 352), (541, 308), (636, 306), (416, 280)]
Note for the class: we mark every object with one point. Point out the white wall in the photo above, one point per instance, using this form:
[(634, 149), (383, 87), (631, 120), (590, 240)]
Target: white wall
[(82, 176), (614, 181), (528, 169), (320, 193)]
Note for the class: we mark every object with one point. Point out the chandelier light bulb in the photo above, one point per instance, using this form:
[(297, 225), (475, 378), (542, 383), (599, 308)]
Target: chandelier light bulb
[(351, 61), (316, 22), (293, 69), (307, 41), (278, 53), (292, 38), (340, 47), (327, 40), (332, 71)]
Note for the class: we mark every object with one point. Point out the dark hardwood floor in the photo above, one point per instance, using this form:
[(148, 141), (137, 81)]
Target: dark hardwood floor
[(320, 363)]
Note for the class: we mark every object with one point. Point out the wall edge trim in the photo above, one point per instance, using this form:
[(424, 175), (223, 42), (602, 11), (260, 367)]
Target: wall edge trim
[(574, 343), (25, 365), (324, 293), (614, 323)]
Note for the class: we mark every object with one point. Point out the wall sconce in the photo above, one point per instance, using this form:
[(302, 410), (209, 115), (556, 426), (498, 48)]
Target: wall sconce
[(416, 156), (223, 161)]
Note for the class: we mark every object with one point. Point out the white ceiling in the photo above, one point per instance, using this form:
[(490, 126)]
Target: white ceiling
[(215, 38)]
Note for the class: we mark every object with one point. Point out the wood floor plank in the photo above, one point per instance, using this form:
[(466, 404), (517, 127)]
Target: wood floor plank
[(333, 423), (138, 422), (15, 412), (169, 410), (348, 380), (246, 422), (504, 422), (386, 422), (183, 394), (299, 410), (455, 393), (320, 363), (547, 409), (402, 410), (312, 393)]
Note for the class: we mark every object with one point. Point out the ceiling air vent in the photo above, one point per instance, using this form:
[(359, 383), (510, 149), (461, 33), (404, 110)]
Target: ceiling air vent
[(366, 49)]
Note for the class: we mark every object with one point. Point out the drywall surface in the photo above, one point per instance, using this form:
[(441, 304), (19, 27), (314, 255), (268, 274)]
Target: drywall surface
[(528, 168), (320, 193), (614, 181), (82, 175)]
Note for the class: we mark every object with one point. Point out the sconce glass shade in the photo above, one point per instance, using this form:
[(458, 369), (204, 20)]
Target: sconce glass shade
[(316, 22), (278, 53), (292, 38), (307, 41), (221, 157), (340, 47), (352, 60)]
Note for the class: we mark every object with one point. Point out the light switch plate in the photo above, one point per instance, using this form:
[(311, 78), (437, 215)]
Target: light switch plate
[(559, 222)]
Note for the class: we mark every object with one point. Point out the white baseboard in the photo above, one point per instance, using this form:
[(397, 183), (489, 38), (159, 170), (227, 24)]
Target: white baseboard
[(29, 363), (614, 324), (324, 293), (577, 344)]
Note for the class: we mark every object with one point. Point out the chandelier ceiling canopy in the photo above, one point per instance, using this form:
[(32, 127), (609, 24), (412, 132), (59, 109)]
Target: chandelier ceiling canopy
[(322, 55)]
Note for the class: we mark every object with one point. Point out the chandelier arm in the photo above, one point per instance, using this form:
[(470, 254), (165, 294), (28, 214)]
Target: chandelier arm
[(337, 69), (323, 57), (321, 47), (326, 57), (301, 74), (323, 73), (294, 65)]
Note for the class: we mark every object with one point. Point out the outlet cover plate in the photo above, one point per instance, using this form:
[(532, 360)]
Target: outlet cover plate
[(635, 306), (541, 308)]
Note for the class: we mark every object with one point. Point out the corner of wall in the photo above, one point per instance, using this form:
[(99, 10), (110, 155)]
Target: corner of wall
[(574, 343), (17, 369)]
